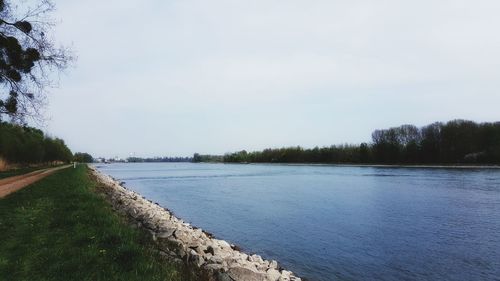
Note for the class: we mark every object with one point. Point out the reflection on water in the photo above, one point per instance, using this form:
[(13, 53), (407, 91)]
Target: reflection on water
[(339, 223)]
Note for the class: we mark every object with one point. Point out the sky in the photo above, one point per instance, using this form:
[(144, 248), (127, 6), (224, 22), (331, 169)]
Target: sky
[(171, 78)]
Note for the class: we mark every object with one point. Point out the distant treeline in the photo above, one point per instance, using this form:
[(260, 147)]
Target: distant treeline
[(26, 145), (454, 142), (83, 157), (212, 158), (160, 159)]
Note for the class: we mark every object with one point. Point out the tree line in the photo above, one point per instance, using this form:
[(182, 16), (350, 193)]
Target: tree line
[(209, 158), (159, 159), (27, 145), (454, 142)]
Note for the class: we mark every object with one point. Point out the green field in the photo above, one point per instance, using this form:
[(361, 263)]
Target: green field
[(61, 229)]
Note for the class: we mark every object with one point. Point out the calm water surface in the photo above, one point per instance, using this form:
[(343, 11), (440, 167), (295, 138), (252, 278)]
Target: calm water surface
[(339, 223)]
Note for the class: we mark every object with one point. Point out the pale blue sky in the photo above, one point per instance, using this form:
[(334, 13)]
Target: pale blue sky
[(178, 77)]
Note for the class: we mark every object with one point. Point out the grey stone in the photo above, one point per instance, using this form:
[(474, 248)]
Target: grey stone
[(213, 266), (273, 274), (165, 233), (223, 276), (245, 274)]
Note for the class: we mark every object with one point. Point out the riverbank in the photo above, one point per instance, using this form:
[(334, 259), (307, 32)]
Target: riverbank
[(60, 228), (397, 166), (179, 240), (416, 166)]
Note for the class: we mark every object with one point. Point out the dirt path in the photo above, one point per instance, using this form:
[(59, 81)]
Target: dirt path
[(13, 184)]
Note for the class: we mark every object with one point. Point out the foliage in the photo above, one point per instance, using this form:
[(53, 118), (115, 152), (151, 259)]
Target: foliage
[(26, 145), (207, 158), (456, 142), (333, 154), (60, 229), (82, 157), (28, 58)]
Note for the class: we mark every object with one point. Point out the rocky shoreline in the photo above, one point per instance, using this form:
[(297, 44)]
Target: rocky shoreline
[(179, 240)]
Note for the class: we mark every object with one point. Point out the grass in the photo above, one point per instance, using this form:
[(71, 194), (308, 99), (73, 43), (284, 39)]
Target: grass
[(60, 229)]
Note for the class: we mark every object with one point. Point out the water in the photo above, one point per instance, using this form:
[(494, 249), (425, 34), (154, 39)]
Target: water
[(339, 223)]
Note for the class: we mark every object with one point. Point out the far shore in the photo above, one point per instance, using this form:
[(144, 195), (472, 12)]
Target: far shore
[(453, 166), (416, 166)]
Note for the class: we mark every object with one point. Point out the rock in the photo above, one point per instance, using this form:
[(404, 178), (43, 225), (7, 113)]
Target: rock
[(261, 266), (200, 250), (182, 252), (209, 250), (273, 264), (273, 274), (207, 256), (255, 258), (213, 266), (223, 244), (196, 259), (245, 274), (285, 275), (215, 259), (224, 276), (165, 233), (197, 233), (223, 253), (183, 235)]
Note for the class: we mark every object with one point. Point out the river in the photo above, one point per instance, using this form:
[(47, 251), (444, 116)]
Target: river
[(338, 222)]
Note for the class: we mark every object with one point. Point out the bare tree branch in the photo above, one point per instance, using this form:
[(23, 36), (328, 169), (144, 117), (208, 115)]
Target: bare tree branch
[(28, 59)]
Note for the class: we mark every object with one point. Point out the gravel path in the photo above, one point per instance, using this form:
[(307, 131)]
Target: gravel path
[(13, 184)]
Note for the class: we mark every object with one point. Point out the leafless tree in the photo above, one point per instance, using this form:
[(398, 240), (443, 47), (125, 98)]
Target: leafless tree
[(29, 60)]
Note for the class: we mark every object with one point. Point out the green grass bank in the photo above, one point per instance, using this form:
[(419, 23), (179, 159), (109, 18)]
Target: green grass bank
[(61, 228)]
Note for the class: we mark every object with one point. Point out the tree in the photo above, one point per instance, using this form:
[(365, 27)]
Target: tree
[(431, 143), (28, 58), (459, 138), (83, 157), (364, 153), (27, 145), (386, 145)]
